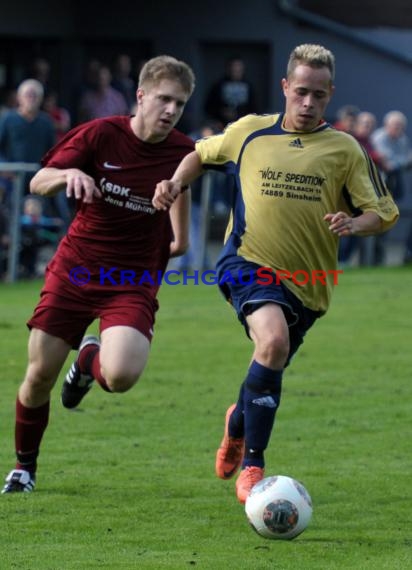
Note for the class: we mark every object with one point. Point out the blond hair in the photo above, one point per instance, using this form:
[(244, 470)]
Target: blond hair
[(167, 67), (312, 55)]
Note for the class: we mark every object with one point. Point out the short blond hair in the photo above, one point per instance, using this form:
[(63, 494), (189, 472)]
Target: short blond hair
[(313, 55), (167, 67)]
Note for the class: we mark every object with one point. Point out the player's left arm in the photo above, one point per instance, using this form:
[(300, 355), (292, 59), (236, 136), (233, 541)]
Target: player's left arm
[(369, 195), (367, 224), (180, 220)]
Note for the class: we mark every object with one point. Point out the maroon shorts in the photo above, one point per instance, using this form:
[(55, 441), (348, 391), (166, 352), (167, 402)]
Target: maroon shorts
[(67, 316)]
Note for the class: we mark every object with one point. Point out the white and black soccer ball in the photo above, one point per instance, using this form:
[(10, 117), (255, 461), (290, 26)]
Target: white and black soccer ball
[(279, 507)]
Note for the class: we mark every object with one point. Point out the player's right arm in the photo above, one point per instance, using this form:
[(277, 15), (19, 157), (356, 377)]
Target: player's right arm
[(48, 181)]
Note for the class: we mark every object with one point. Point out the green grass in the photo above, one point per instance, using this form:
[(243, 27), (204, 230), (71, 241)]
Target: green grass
[(128, 480)]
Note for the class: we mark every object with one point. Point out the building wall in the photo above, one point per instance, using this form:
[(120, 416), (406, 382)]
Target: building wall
[(369, 13), (203, 34)]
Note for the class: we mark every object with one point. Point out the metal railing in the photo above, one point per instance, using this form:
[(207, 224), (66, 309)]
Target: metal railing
[(20, 169)]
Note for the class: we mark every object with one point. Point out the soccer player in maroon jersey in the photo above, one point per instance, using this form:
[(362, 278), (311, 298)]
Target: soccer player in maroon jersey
[(109, 265)]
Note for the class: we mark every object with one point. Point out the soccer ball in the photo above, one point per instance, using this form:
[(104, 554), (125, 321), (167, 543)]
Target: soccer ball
[(279, 507)]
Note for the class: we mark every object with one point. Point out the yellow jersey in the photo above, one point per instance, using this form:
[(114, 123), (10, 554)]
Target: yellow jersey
[(285, 182)]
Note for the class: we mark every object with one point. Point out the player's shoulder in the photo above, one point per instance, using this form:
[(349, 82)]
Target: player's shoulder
[(104, 124), (254, 122), (333, 131), (108, 124), (341, 137)]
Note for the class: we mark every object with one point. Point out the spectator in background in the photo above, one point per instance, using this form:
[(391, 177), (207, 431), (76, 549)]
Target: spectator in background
[(8, 101), (4, 236), (232, 96), (40, 69), (90, 78), (87, 82), (59, 115), (27, 133), (346, 118), (123, 80), (394, 145), (37, 231), (362, 129), (102, 100)]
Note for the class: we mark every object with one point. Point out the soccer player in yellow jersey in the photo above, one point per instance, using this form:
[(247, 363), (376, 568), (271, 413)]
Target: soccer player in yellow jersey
[(299, 186)]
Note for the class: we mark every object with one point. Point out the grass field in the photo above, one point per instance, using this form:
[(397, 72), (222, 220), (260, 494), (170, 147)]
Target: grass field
[(127, 481)]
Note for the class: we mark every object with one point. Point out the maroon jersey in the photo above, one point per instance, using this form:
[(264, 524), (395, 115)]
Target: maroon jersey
[(120, 239)]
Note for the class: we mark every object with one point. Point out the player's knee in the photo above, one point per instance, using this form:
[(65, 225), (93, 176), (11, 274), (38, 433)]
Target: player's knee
[(40, 377), (121, 381), (273, 349)]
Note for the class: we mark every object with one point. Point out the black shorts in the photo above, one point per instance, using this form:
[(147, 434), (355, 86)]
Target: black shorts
[(243, 289)]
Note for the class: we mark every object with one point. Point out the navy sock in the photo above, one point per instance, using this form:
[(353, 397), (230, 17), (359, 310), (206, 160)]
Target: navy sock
[(261, 398)]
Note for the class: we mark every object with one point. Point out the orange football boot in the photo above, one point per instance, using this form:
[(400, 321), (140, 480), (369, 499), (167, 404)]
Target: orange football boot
[(230, 454)]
